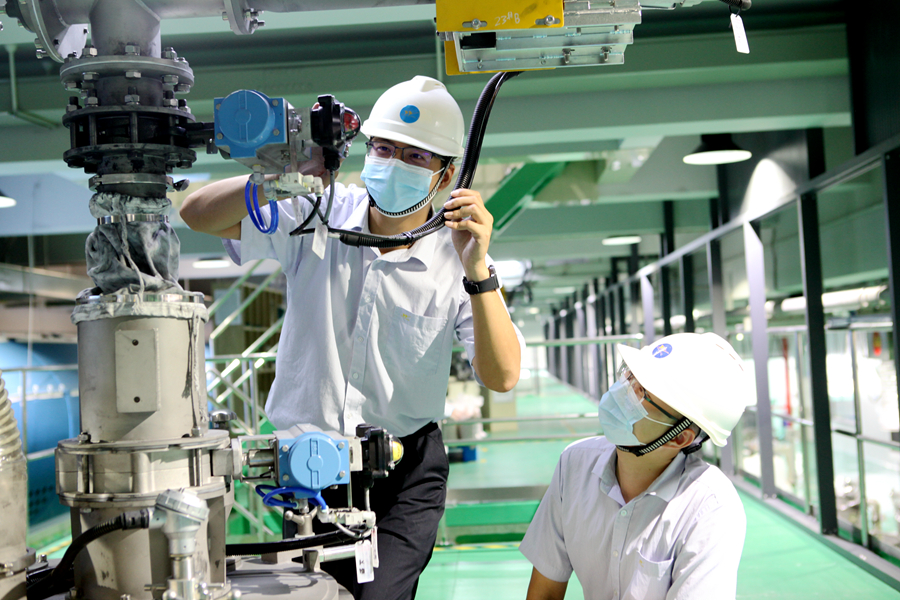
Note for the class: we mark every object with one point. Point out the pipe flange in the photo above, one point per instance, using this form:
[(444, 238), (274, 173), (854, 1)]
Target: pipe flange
[(8, 569), (56, 39), (96, 181), (119, 109), (129, 218), (147, 66), (238, 14), (116, 500), (213, 440)]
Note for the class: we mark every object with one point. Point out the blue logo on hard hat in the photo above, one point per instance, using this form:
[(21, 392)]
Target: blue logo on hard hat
[(662, 351), (409, 114)]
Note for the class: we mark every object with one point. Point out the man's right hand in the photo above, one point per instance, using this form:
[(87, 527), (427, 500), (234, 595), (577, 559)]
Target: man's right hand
[(541, 588)]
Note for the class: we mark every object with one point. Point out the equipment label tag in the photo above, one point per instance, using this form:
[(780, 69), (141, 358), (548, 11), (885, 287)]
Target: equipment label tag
[(740, 36), (364, 570), (319, 239)]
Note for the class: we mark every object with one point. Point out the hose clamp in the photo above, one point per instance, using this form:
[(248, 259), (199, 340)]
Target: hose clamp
[(8, 569), (136, 218), (96, 181)]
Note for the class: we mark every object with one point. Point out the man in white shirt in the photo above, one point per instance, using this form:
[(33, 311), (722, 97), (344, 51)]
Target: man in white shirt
[(367, 335), (636, 514)]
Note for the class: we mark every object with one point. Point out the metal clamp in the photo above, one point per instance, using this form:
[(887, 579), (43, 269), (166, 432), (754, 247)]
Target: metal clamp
[(139, 218), (8, 569), (146, 178)]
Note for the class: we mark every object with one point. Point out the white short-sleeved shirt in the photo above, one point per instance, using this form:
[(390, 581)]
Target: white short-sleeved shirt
[(367, 336), (682, 538)]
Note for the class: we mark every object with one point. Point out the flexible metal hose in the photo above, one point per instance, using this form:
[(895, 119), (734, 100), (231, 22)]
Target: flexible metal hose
[(13, 498), (10, 444)]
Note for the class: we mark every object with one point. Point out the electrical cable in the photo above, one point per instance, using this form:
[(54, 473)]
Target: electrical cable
[(56, 581), (309, 218), (331, 175), (470, 159), (301, 229)]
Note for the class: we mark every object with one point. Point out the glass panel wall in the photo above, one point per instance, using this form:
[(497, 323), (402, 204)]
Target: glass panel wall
[(791, 408), (702, 302), (862, 381)]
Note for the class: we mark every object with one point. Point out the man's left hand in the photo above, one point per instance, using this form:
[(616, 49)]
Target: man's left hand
[(472, 225)]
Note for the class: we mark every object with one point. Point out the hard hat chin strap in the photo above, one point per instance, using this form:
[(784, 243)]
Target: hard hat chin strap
[(662, 440), (694, 447)]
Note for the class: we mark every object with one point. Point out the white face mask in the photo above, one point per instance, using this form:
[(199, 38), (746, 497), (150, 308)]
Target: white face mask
[(619, 409), (397, 188)]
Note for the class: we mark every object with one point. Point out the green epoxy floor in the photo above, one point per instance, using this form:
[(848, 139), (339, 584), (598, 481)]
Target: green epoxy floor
[(780, 560)]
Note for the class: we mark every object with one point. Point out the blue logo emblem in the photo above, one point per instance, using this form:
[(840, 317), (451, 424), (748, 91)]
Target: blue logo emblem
[(662, 351), (409, 114)]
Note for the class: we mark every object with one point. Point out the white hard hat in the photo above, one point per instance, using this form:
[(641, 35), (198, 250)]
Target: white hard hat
[(699, 375), (420, 112)]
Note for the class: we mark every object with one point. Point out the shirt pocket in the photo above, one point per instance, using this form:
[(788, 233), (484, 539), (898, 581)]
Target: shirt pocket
[(651, 580), (417, 342)]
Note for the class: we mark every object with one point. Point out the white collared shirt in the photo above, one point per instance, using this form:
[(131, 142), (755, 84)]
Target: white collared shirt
[(682, 538), (367, 336)]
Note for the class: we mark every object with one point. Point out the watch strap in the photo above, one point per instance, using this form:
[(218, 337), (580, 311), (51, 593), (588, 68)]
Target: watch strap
[(485, 285)]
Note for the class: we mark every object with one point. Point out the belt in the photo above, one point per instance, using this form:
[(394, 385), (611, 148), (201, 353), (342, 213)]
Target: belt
[(421, 432)]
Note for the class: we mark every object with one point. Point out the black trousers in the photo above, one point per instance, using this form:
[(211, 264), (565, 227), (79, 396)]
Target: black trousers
[(408, 505)]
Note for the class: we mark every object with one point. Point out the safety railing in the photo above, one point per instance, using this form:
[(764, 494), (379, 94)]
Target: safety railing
[(24, 398)]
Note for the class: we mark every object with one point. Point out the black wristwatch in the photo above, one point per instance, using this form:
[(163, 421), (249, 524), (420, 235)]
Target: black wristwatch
[(485, 285)]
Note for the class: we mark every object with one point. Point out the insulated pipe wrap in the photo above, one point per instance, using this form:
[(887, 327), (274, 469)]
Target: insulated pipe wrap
[(13, 494)]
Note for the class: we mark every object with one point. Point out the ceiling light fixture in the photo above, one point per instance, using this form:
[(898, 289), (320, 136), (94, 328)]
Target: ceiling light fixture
[(212, 263), (621, 240), (717, 149), (6, 201)]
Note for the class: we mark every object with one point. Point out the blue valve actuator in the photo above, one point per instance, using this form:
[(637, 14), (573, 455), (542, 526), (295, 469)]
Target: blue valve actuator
[(313, 460), (247, 120)]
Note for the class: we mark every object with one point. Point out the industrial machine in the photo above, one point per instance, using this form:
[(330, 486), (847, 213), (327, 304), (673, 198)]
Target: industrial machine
[(150, 479)]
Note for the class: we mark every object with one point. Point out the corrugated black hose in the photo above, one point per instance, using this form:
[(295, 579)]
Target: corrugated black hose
[(43, 584), (467, 172)]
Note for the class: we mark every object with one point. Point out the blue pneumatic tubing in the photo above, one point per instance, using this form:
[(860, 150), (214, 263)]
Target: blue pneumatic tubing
[(269, 492), (255, 214)]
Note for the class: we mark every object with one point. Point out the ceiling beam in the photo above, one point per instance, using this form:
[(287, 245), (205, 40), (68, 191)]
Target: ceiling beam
[(41, 282)]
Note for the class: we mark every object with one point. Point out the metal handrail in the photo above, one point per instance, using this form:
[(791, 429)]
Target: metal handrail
[(806, 422), (235, 363), (234, 287), (539, 418), (522, 438), (586, 341), (24, 428), (240, 309)]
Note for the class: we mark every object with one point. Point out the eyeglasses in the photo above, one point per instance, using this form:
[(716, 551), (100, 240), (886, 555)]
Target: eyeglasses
[(642, 393), (410, 155)]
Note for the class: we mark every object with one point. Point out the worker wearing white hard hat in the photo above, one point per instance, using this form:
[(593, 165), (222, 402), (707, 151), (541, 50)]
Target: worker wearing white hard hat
[(636, 513), (368, 334)]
